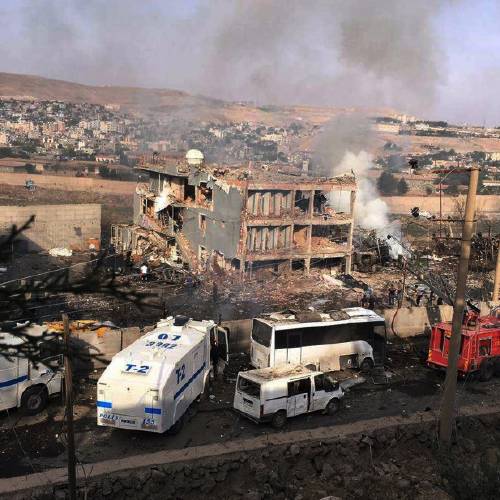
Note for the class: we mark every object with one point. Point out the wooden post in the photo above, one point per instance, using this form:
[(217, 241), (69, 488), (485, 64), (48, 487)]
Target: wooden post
[(447, 417), (68, 384)]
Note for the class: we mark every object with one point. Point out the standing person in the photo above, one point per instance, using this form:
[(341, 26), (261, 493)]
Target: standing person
[(371, 299), (190, 285), (399, 296), (144, 272), (430, 300), (392, 294), (420, 296), (215, 292), (215, 357)]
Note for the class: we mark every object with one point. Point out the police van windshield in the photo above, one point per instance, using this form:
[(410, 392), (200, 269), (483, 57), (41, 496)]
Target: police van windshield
[(261, 333), (249, 387)]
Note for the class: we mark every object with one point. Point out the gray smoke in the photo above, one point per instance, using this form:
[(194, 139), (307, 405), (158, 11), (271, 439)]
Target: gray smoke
[(337, 52), (345, 146)]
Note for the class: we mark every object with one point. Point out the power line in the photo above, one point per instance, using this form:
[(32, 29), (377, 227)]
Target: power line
[(56, 270)]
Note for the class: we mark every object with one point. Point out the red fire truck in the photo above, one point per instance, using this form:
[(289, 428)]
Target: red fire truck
[(479, 345)]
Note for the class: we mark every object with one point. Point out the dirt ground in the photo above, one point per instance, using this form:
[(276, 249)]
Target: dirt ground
[(30, 444)]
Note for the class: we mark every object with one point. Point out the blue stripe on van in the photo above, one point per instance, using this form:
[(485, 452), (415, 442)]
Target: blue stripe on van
[(153, 411), (190, 381), (13, 381), (103, 404)]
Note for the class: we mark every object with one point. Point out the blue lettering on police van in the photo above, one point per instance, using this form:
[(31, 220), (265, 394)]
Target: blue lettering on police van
[(163, 345), (133, 368), (108, 416), (181, 373), (165, 336), (148, 421)]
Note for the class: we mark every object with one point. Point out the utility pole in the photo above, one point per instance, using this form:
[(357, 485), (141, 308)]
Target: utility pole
[(447, 416), (496, 283), (68, 384)]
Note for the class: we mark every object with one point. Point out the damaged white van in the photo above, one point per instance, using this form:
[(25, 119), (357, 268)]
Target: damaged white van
[(276, 394)]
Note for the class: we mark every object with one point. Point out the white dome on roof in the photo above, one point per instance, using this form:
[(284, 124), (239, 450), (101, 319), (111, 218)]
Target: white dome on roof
[(194, 157)]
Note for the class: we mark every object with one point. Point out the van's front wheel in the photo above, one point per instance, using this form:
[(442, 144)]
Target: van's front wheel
[(333, 407), (34, 400), (279, 420), (367, 365)]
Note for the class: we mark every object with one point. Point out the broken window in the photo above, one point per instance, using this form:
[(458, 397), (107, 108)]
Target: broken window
[(189, 192), (337, 234), (202, 223), (204, 194), (300, 234), (319, 202), (301, 202)]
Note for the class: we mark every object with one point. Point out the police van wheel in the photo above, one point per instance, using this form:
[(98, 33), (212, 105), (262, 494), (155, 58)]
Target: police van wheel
[(366, 365), (333, 407), (34, 400), (486, 370), (279, 419)]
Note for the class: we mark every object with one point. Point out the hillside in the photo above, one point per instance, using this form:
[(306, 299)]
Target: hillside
[(159, 101)]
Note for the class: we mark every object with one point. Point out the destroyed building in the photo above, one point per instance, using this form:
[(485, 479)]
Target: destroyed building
[(240, 218)]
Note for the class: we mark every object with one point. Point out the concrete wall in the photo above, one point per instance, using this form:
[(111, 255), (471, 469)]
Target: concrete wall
[(487, 205), (412, 321), (107, 345), (222, 224), (67, 183), (239, 335), (69, 226)]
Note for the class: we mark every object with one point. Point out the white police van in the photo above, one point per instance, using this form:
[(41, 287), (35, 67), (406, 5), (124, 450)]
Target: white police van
[(277, 393), (151, 383), (24, 384)]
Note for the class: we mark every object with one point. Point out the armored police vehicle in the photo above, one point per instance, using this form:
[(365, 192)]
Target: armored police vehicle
[(150, 384)]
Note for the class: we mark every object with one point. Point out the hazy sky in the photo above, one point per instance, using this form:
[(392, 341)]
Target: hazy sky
[(434, 58)]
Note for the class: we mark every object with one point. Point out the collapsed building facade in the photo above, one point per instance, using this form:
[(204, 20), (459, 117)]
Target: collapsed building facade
[(240, 218)]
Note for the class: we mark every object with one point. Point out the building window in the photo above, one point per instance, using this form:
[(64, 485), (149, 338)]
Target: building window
[(202, 223)]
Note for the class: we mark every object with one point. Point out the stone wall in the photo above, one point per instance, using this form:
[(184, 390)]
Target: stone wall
[(69, 226), (395, 462)]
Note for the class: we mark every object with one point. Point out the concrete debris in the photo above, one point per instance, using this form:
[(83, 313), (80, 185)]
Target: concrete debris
[(60, 252)]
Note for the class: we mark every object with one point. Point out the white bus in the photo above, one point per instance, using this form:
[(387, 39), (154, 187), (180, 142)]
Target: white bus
[(335, 341)]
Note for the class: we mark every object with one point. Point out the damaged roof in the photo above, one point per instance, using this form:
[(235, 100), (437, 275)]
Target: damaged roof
[(251, 176)]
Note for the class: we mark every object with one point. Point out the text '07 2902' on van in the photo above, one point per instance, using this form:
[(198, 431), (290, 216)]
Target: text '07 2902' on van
[(331, 341), (275, 394)]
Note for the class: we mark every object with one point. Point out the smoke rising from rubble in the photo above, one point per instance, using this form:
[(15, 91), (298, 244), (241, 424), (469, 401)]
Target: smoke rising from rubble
[(380, 53), (342, 148)]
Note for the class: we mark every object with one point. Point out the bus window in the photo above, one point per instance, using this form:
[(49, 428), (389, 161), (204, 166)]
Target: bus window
[(261, 333), (283, 340), (294, 339)]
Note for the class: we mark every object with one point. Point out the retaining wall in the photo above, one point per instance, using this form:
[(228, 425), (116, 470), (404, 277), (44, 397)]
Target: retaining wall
[(277, 465)]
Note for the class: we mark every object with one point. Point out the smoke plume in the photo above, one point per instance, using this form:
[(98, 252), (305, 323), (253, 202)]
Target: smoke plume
[(335, 52), (344, 147)]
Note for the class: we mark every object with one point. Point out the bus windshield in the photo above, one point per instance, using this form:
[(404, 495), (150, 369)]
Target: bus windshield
[(261, 333)]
